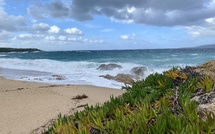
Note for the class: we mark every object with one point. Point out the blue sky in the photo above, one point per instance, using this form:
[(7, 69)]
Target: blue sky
[(106, 24)]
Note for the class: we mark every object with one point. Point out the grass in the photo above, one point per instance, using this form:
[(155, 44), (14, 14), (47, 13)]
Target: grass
[(159, 104)]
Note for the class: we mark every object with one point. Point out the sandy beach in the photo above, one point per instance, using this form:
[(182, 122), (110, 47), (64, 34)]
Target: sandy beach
[(27, 107)]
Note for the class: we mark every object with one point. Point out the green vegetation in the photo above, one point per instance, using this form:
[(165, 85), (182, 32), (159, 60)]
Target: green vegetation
[(159, 104)]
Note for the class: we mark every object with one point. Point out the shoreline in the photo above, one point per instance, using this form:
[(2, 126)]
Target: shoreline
[(29, 107), (50, 78)]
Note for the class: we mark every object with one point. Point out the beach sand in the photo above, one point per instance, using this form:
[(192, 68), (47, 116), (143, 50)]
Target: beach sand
[(27, 107)]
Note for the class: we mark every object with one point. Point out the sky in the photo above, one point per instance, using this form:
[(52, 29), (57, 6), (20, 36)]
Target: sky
[(106, 24)]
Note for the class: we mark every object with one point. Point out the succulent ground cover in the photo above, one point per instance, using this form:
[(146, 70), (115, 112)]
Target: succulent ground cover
[(159, 104)]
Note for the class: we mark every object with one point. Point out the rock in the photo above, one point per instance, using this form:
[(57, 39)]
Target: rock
[(58, 77), (109, 77), (138, 72), (108, 66), (206, 101), (37, 79), (209, 107), (125, 78), (207, 68)]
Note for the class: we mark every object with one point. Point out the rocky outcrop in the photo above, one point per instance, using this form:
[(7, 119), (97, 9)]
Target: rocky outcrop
[(138, 72), (135, 73), (207, 68), (109, 66), (125, 78), (58, 77), (107, 76), (206, 101)]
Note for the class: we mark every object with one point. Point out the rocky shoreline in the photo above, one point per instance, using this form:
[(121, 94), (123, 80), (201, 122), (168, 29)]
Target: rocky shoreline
[(206, 102), (207, 68), (136, 73)]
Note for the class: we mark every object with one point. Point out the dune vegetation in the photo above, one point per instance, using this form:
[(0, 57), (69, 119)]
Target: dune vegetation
[(159, 104)]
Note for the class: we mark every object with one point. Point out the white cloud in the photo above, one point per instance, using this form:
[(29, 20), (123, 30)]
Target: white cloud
[(50, 38), (27, 36), (62, 38), (131, 10), (11, 22), (73, 39), (54, 30), (147, 12), (211, 4), (199, 31), (126, 37), (85, 40), (127, 21), (208, 29), (57, 9), (41, 27), (92, 41), (33, 21), (38, 12), (74, 31), (210, 20), (107, 30), (4, 35)]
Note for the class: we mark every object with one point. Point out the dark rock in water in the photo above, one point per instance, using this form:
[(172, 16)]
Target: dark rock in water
[(125, 78), (37, 79), (58, 77), (108, 66), (109, 77), (138, 72)]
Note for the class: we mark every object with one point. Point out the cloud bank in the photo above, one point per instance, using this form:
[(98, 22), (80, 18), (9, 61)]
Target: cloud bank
[(148, 12), (10, 22)]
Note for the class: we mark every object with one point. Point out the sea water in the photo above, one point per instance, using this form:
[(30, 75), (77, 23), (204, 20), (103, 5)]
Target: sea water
[(80, 67)]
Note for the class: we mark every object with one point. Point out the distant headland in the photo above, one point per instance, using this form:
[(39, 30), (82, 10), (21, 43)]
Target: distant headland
[(19, 50), (206, 46)]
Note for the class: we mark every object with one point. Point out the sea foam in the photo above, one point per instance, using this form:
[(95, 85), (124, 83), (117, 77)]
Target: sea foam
[(73, 72), (80, 67)]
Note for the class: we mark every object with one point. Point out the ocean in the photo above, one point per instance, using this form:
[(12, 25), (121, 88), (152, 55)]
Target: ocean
[(80, 67)]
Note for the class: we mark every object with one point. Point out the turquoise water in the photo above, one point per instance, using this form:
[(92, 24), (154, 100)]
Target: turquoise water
[(80, 67)]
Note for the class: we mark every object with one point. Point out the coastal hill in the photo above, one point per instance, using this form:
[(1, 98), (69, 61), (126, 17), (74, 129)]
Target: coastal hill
[(207, 46), (19, 50)]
